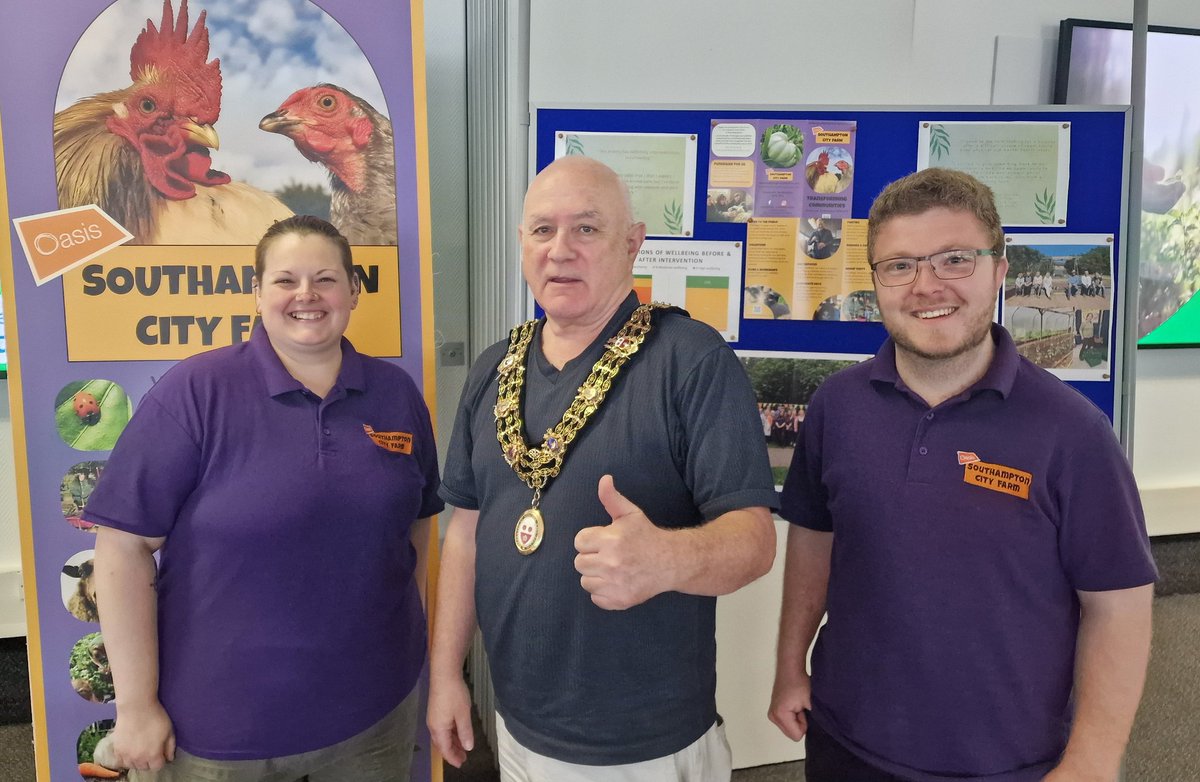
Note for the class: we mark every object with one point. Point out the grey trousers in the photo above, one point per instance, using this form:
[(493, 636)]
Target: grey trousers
[(381, 753)]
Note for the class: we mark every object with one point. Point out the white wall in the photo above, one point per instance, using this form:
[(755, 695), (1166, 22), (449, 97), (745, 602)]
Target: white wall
[(773, 52), (1166, 439), (916, 52), (12, 609), (10, 554)]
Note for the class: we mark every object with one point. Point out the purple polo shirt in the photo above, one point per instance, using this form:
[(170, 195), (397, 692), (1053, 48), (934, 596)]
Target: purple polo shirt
[(289, 619), (949, 648)]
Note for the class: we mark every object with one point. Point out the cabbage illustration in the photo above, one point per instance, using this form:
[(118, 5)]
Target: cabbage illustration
[(782, 146)]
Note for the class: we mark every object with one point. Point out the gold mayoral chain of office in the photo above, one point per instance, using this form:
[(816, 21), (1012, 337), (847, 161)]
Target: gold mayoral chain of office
[(536, 465)]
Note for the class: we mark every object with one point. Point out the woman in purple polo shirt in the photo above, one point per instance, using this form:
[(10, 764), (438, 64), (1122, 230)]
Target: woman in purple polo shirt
[(287, 483)]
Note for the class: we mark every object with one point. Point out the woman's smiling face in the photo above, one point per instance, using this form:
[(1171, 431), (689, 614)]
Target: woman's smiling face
[(305, 295)]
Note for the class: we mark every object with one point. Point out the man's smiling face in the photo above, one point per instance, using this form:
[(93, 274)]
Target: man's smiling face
[(932, 318)]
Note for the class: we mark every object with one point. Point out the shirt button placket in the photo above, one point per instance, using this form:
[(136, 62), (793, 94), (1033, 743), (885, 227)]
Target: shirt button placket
[(323, 433), (920, 470)]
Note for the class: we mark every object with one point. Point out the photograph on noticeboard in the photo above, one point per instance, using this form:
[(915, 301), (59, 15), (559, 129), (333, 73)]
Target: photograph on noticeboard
[(784, 384), (1058, 302)]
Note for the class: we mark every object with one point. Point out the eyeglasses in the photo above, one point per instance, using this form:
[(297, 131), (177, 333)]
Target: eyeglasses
[(948, 265)]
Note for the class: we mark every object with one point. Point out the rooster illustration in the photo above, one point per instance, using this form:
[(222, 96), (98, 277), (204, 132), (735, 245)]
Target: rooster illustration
[(141, 153), (353, 141)]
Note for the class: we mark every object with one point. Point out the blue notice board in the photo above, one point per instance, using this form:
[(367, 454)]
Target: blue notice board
[(885, 150)]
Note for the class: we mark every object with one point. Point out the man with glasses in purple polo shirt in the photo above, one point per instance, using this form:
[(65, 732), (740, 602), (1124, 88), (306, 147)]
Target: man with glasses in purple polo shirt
[(971, 526)]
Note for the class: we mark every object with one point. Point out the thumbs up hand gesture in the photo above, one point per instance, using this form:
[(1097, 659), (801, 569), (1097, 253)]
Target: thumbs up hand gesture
[(622, 564)]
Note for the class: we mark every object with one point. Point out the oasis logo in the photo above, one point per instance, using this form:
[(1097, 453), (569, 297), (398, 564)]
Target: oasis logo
[(56, 242), (48, 244)]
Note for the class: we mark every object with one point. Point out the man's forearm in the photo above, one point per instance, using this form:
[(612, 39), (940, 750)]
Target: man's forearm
[(1112, 652), (805, 585), (722, 555)]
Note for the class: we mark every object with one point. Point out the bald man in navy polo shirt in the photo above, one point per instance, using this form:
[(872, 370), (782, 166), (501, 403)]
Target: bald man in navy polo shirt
[(971, 527), (609, 480)]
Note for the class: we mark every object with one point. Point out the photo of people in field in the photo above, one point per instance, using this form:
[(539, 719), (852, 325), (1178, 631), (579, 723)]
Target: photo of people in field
[(1058, 304), (784, 384)]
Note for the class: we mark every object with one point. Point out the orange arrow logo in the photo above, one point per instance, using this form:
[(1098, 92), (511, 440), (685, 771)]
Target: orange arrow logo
[(56, 242)]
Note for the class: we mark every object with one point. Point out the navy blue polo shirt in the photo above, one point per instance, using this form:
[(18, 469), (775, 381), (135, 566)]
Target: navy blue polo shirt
[(960, 535), (680, 435), (288, 616)]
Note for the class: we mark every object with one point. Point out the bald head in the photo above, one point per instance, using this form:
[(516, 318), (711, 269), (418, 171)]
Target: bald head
[(579, 242), (587, 174)]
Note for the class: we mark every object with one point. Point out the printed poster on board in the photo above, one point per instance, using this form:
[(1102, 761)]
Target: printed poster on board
[(132, 248), (1058, 302), (808, 269), (701, 277), (780, 168), (658, 168), (1026, 164), (784, 384)]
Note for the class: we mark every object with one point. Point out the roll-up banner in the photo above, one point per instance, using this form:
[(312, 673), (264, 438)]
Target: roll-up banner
[(131, 246)]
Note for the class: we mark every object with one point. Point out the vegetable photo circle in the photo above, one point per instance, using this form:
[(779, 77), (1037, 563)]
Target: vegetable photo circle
[(91, 676), (85, 751), (76, 487), (91, 414), (782, 146)]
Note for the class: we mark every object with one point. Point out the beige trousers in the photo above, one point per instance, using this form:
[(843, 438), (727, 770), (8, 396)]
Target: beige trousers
[(707, 759)]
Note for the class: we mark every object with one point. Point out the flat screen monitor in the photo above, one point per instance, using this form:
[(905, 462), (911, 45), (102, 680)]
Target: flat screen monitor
[(1095, 60)]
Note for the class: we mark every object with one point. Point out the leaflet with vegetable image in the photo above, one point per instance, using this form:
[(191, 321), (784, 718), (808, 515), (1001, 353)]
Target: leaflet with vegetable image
[(769, 168)]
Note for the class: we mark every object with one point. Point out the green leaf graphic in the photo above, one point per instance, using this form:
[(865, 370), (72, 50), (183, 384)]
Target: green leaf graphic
[(574, 145), (673, 217), (1044, 206), (939, 141)]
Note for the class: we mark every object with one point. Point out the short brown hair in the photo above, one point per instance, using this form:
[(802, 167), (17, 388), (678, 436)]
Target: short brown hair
[(303, 225), (932, 188)]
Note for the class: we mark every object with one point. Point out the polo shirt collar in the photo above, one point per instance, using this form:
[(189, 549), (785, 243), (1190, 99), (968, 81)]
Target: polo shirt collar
[(352, 375), (1000, 376), (623, 312), (619, 318)]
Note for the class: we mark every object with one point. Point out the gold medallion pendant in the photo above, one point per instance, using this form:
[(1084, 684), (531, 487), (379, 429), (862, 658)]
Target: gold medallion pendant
[(538, 464), (528, 532)]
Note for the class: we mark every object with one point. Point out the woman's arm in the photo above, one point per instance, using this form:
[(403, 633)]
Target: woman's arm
[(128, 603)]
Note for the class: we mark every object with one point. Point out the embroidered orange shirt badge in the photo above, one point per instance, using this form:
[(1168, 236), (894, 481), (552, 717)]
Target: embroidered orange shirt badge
[(396, 442), (996, 477)]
